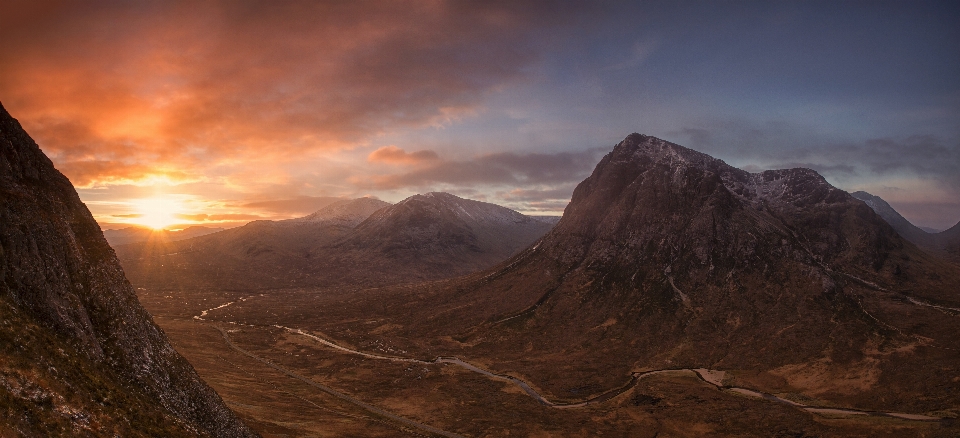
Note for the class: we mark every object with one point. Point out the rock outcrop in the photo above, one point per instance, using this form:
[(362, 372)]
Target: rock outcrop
[(80, 356)]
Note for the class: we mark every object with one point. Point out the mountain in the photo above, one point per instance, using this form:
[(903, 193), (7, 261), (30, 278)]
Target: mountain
[(360, 242), (260, 254), (79, 356), (668, 258), (436, 235), (906, 229), (128, 235)]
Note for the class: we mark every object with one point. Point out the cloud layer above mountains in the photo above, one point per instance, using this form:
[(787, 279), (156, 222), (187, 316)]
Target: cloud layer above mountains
[(235, 105)]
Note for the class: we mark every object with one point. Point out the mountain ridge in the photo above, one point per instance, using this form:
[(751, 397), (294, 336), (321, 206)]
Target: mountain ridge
[(353, 242)]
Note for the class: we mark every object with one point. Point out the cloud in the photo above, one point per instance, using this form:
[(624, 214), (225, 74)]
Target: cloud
[(638, 55), (546, 206), (135, 85), (538, 195), (505, 168), (923, 156), (301, 205), (776, 145), (395, 155)]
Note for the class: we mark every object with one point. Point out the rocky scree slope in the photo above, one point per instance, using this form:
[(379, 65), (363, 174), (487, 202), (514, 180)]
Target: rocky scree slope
[(669, 258), (80, 356)]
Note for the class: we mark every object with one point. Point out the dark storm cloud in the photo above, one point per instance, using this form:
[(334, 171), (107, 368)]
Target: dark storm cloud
[(779, 145), (506, 168), (923, 156)]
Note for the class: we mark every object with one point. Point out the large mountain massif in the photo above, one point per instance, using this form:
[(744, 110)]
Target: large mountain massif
[(668, 258), (79, 356)]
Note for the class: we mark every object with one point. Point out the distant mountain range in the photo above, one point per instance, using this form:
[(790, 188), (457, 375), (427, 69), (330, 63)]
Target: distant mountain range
[(79, 356), (134, 234), (358, 242)]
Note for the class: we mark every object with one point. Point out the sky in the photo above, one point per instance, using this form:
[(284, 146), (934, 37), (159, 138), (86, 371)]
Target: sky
[(218, 113)]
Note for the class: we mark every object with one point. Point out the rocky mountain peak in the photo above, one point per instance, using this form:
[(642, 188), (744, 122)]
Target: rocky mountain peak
[(638, 147)]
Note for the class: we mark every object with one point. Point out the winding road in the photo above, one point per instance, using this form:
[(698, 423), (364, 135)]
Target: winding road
[(711, 377), (335, 393)]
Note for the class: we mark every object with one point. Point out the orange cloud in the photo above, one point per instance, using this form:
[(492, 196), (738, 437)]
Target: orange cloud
[(504, 168), (299, 206), (395, 155), (113, 90)]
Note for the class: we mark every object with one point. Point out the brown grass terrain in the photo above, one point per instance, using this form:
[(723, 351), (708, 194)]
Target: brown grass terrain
[(446, 396)]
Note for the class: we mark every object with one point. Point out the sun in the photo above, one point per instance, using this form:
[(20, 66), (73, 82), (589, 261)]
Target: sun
[(157, 213)]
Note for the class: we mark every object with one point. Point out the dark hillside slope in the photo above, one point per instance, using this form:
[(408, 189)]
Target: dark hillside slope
[(80, 356), (899, 223), (949, 240)]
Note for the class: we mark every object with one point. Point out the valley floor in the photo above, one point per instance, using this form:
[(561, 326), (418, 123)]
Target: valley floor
[(283, 383)]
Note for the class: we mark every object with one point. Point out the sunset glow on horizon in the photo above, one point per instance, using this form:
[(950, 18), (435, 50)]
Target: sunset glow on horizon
[(157, 213), (171, 114)]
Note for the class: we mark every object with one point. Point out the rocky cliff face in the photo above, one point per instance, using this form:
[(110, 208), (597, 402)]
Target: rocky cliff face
[(100, 355)]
